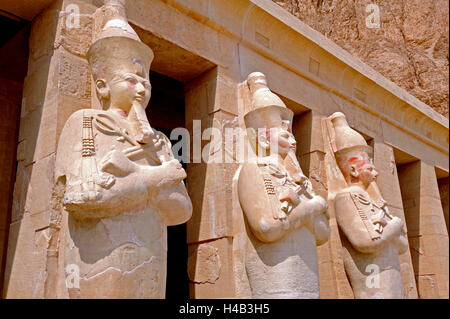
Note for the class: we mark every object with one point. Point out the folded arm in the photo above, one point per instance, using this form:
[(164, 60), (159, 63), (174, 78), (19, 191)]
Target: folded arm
[(356, 232), (258, 208)]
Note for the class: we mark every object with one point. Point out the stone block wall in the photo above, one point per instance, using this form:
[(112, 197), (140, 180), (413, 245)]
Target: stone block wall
[(56, 85), (210, 99)]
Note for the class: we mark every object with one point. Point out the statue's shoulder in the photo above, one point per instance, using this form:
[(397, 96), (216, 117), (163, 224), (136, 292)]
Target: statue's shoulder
[(86, 112), (249, 170), (349, 195), (78, 116), (354, 197), (249, 176), (352, 190), (73, 129)]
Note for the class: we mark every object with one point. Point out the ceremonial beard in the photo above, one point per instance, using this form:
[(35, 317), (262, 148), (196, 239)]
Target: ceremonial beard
[(140, 126)]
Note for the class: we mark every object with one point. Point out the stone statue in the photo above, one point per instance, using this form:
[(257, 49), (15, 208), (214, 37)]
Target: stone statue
[(285, 219), (122, 185), (372, 238)]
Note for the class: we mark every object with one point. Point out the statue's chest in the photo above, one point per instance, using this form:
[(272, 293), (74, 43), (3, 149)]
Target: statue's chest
[(365, 204), (276, 181), (109, 136)]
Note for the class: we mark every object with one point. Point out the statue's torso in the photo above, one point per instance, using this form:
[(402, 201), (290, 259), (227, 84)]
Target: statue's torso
[(123, 256), (120, 257), (372, 275), (286, 268)]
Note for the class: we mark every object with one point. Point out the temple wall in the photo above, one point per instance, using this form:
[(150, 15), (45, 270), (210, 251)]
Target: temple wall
[(209, 231), (229, 40)]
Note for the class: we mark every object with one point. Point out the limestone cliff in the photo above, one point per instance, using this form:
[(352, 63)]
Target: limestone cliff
[(410, 47)]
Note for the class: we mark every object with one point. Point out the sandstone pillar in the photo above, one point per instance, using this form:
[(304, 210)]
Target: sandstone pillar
[(390, 189), (427, 234), (57, 84), (210, 102), (307, 129)]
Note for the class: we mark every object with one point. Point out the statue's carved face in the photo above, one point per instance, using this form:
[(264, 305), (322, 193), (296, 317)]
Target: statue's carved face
[(367, 173), (281, 140), (127, 89), (359, 167)]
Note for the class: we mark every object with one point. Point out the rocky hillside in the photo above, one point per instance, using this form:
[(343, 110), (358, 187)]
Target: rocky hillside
[(410, 46)]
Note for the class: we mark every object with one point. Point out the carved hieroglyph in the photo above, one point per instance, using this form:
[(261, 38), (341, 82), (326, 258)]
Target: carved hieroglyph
[(372, 238), (285, 219), (122, 185)]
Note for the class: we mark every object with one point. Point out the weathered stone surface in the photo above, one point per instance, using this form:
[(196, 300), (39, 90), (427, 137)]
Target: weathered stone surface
[(25, 271), (19, 206), (73, 76), (209, 197), (210, 101), (210, 269), (204, 264), (41, 185), (38, 132), (413, 55), (307, 128), (43, 33), (75, 29), (40, 83)]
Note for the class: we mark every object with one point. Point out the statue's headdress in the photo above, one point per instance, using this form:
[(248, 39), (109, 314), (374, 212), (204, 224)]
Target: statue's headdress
[(268, 109), (118, 48), (345, 139)]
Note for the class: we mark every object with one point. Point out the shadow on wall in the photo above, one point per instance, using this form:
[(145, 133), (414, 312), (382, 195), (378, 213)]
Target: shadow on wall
[(165, 113), (13, 66)]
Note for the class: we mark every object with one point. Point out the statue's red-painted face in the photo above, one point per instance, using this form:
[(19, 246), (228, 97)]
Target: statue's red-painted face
[(367, 173), (360, 167)]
